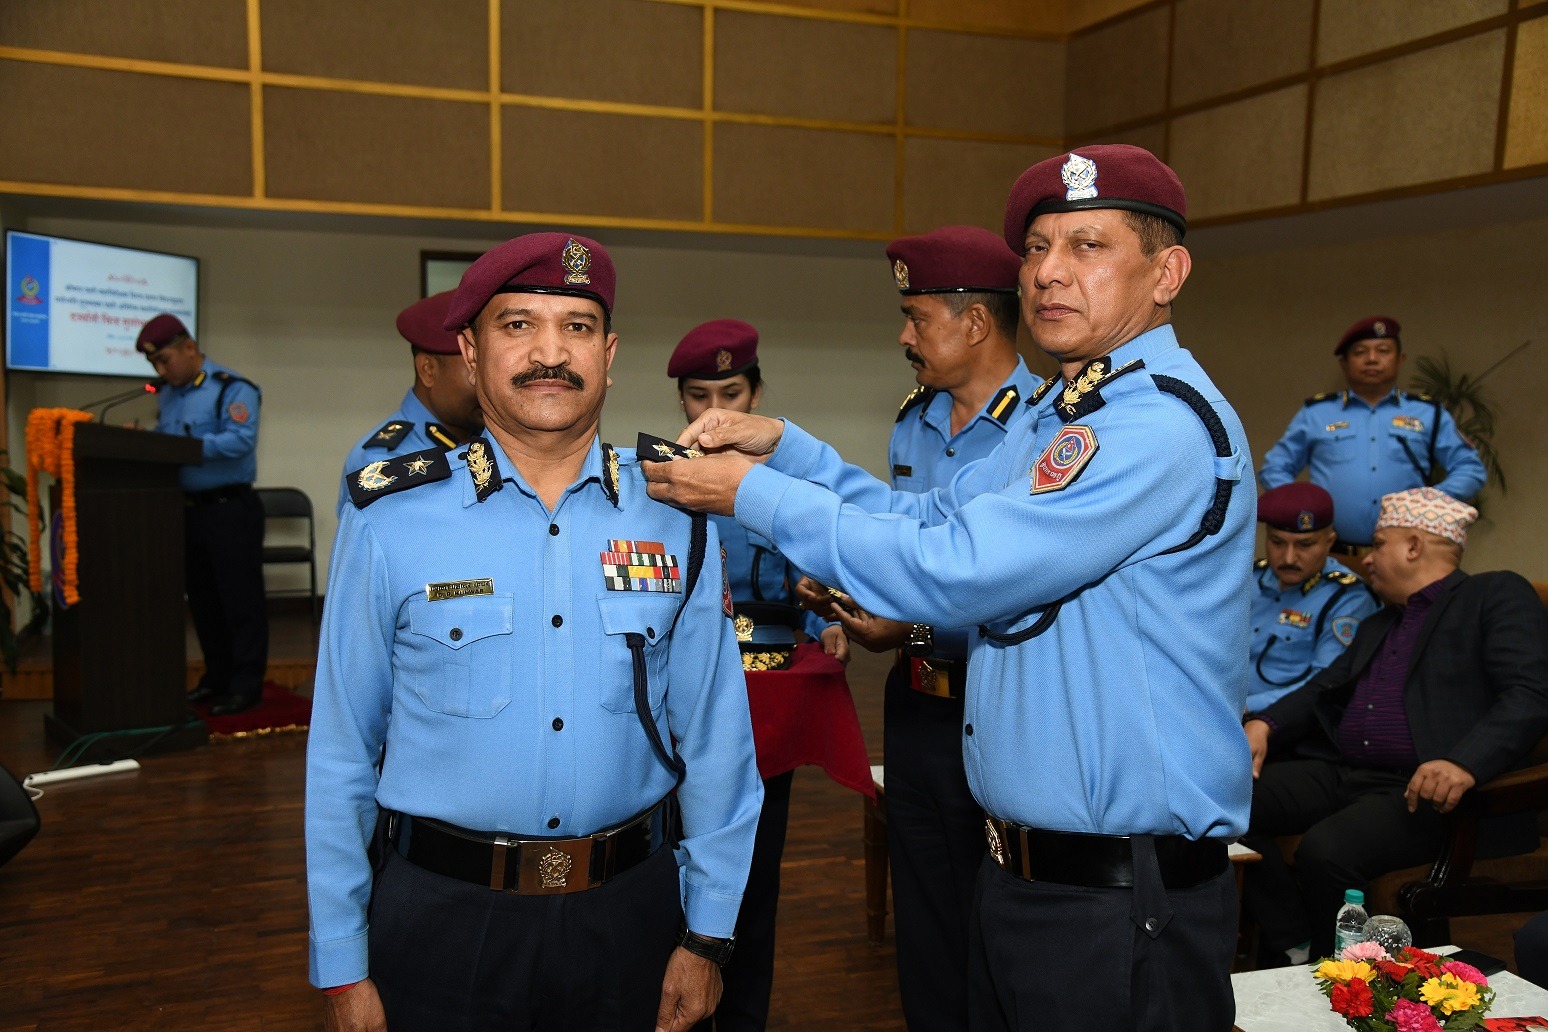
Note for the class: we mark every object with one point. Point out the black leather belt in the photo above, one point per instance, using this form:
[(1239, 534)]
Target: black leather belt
[(528, 866), (1100, 861), (931, 675), (216, 494)]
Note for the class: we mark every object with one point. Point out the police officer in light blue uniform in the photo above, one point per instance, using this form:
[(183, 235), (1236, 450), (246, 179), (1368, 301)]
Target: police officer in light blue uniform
[(222, 516), (439, 411), (519, 665), (1103, 552), (1372, 439), (1307, 606)]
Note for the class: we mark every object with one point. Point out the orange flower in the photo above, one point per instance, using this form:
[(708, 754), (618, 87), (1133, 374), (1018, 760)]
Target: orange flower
[(51, 449)]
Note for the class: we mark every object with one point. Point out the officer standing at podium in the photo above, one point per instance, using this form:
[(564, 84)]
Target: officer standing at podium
[(222, 518)]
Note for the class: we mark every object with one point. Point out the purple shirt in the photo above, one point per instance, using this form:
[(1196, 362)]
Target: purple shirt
[(1374, 731)]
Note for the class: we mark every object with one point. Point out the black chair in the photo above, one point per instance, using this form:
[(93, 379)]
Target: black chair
[(289, 503)]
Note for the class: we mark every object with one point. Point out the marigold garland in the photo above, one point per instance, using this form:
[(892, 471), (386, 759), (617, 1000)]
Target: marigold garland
[(51, 449)]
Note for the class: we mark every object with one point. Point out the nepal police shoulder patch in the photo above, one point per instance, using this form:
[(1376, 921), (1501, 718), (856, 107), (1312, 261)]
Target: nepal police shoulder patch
[(1064, 458)]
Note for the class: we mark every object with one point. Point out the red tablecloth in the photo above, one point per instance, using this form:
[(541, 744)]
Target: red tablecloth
[(804, 714)]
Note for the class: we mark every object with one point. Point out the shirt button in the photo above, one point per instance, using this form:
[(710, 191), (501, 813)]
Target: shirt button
[(950, 452), (1367, 741), (969, 730), (558, 724), (1150, 924), (455, 634), (557, 621), (553, 822), (553, 530), (1373, 469), (1370, 705), (650, 632)]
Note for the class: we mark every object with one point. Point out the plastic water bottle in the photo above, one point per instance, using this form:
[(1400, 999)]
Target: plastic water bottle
[(1349, 928)]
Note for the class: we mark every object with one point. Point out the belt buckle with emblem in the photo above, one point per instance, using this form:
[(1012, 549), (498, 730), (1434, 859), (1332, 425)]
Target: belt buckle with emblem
[(996, 844), (554, 869)]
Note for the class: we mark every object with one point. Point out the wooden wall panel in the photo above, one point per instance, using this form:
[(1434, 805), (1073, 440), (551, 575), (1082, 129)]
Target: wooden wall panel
[(203, 32), (1526, 141), (1349, 28), (439, 44), (1242, 157), (629, 51), (1381, 127), (1080, 14), (957, 182), (1226, 45), (88, 127), (778, 176), (834, 71), (1011, 15), (619, 165), (883, 7), (1152, 137), (990, 84), (360, 147), (1117, 72)]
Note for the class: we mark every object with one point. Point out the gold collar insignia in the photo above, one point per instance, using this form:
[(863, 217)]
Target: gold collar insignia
[(481, 467)]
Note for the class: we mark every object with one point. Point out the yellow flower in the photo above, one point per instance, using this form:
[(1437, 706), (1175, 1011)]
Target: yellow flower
[(1342, 971), (1450, 993)]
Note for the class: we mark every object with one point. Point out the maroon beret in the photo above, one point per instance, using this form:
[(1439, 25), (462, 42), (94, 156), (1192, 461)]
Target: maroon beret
[(1298, 507), (954, 259), (715, 350), (423, 324), (538, 263), (1104, 175), (1377, 327), (159, 332)]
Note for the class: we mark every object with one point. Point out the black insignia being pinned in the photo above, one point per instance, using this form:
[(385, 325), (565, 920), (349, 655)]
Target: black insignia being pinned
[(1083, 395), (389, 476), (437, 433), (610, 473), (1042, 389), (916, 397), (390, 435), (1342, 577), (658, 449), (1003, 404), (482, 468)]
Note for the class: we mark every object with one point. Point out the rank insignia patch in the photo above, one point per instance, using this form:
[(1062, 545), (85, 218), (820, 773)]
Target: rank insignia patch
[(659, 449), (1063, 459), (640, 566), (1333, 428), (374, 477), (1295, 618), (610, 474), (1344, 628), (390, 435), (437, 433), (577, 260), (389, 476), (1413, 423)]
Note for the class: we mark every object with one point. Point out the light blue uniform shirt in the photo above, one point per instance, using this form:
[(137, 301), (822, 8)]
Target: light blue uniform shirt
[(221, 408), (412, 427), (1299, 630), (463, 693), (1124, 715), (759, 572), (1359, 452), (923, 454)]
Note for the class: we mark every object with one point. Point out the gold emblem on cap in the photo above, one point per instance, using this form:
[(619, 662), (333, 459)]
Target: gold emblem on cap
[(372, 478), (480, 465), (743, 626), (900, 274), (417, 467), (554, 869), (1079, 177), (578, 260), (722, 360)]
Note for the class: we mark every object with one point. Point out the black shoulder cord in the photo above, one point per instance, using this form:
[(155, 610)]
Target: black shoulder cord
[(1316, 637)]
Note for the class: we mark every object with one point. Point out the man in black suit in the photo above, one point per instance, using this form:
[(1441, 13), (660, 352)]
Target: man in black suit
[(1445, 688)]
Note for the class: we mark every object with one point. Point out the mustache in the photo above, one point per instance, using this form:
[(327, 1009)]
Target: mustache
[(562, 373), (913, 356)]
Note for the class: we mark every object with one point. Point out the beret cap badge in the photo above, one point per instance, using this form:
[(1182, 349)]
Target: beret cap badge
[(900, 274), (576, 259), (1079, 177), (723, 360)]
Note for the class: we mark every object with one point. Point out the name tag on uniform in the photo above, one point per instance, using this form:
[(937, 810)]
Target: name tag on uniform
[(1295, 618), (640, 566), (901, 470), (1413, 423), (444, 590), (1333, 428)]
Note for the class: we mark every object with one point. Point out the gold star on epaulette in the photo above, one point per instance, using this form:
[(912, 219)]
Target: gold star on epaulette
[(417, 467)]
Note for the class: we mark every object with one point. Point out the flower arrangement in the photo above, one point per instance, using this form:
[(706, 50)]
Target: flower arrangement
[(1410, 991), (51, 449)]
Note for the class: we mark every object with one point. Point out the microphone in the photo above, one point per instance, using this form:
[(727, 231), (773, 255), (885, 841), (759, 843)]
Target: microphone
[(114, 400)]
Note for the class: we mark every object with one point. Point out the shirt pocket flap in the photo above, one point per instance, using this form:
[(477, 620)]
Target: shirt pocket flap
[(630, 612), (458, 622)]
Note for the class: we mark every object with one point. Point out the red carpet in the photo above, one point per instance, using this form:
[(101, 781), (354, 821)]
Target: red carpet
[(280, 709)]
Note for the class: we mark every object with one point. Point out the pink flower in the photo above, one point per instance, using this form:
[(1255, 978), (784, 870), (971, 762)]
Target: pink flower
[(1368, 951), (1408, 1016), (1466, 972)]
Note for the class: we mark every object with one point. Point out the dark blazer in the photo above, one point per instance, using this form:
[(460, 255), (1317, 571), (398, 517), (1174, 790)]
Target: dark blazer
[(1477, 689)]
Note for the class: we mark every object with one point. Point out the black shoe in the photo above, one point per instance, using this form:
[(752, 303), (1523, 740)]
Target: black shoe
[(229, 705), (203, 693)]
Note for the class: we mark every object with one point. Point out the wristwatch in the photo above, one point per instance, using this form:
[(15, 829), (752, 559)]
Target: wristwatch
[(718, 951), (921, 640)]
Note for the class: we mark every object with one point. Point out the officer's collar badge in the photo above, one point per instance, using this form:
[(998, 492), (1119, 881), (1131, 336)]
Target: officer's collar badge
[(610, 473), (481, 467), (722, 361), (577, 260), (900, 274), (1083, 395), (389, 476), (1311, 582), (1041, 390), (1079, 177)]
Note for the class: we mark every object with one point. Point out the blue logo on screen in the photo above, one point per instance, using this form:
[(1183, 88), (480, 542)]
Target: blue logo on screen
[(28, 302)]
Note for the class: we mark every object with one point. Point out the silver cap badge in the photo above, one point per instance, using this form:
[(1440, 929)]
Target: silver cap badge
[(1079, 176)]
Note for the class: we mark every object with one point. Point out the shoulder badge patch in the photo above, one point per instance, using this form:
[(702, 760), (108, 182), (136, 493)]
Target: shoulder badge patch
[(610, 473), (482, 468), (1344, 628), (389, 476), (1002, 405), (1064, 458), (917, 396), (390, 435), (640, 566), (238, 412)]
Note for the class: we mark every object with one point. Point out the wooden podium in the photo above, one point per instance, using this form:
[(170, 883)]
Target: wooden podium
[(120, 653)]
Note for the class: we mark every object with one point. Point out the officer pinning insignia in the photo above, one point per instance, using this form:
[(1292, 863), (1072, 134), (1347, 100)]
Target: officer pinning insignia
[(577, 260), (917, 396), (440, 591), (481, 467), (640, 566), (1079, 176), (390, 435), (900, 274), (1295, 618), (1344, 628), (1003, 404), (1335, 427), (610, 473), (1064, 459), (659, 449), (1410, 423), (438, 434), (389, 476)]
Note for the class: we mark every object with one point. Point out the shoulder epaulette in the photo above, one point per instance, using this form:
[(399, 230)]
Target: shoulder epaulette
[(610, 473), (437, 433), (389, 476), (917, 396), (1342, 577), (1417, 396), (1261, 564), (1324, 396), (390, 435), (1003, 404), (1083, 395), (1042, 389)]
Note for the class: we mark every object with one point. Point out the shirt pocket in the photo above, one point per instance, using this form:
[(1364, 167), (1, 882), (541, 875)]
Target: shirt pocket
[(1400, 443), (1340, 445), (462, 654), (648, 614)]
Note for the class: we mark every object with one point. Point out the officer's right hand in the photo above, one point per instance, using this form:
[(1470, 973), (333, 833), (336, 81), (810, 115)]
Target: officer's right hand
[(689, 993), (1257, 741), (357, 1009), (811, 595), (875, 633), (720, 429)]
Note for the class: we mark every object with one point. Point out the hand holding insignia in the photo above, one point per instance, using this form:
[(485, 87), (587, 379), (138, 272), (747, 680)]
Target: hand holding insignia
[(720, 430), (706, 484)]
